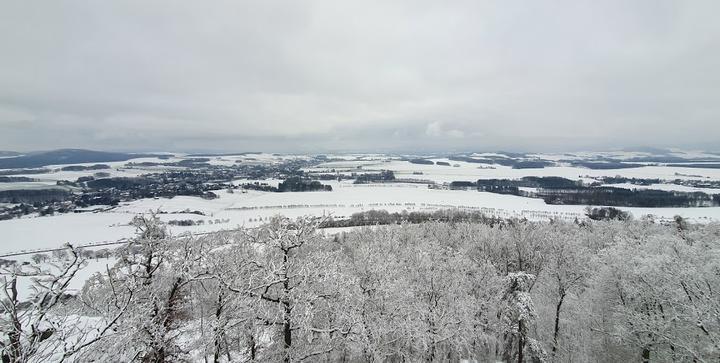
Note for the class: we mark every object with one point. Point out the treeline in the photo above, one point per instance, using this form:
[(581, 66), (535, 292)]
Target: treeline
[(546, 182), (647, 198), (511, 186), (634, 181), (703, 183), (697, 165), (607, 214), (381, 177), (557, 190), (513, 292), (34, 195), (24, 171), (262, 187), (428, 162), (520, 161), (16, 179), (84, 168), (298, 184), (65, 156), (382, 217), (505, 161), (192, 222), (379, 217), (421, 161), (605, 165), (291, 184), (120, 183)]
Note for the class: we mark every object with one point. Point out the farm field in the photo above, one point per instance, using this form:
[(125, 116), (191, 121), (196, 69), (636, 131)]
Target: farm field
[(474, 171), (252, 208)]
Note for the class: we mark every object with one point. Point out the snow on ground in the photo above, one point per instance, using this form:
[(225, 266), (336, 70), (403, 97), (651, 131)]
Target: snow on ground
[(474, 171), (620, 155), (345, 165), (120, 168), (253, 208), (692, 154), (53, 231), (118, 164), (89, 268), (117, 169), (625, 155)]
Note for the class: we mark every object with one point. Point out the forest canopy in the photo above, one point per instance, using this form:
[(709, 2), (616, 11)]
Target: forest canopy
[(463, 289)]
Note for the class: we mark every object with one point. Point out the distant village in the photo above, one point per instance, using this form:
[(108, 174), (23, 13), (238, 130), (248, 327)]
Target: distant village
[(101, 191)]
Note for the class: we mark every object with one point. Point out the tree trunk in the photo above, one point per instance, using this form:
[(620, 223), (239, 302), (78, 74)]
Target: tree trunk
[(431, 355), (521, 342), (15, 347), (646, 355), (167, 320), (287, 328), (253, 347), (218, 333), (287, 331), (216, 353), (557, 324), (227, 348)]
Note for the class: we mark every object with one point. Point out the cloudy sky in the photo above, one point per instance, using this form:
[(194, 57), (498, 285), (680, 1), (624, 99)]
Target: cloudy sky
[(358, 75)]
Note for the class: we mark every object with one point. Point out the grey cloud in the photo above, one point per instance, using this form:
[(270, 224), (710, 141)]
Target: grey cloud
[(326, 75)]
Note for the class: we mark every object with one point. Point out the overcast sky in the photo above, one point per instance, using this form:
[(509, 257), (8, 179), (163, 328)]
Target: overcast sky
[(358, 75)]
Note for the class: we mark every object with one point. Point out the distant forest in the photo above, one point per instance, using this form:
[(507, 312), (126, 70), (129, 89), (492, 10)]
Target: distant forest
[(557, 190), (65, 156)]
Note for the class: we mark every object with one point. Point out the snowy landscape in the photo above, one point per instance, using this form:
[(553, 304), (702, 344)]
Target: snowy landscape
[(238, 208), (376, 181), (417, 187), (169, 228)]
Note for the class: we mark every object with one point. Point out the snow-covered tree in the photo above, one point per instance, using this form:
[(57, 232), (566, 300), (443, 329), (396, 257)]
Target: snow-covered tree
[(45, 325), (635, 290)]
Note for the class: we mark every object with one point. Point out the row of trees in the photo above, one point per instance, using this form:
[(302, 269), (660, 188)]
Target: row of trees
[(436, 291), (648, 198), (557, 190), (374, 217)]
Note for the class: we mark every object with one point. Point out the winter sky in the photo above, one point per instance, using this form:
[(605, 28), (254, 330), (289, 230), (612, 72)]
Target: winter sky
[(358, 75)]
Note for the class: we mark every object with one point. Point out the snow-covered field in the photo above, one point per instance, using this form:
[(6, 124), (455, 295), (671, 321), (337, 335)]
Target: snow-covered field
[(474, 171), (253, 207), (53, 231), (121, 169), (89, 268)]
